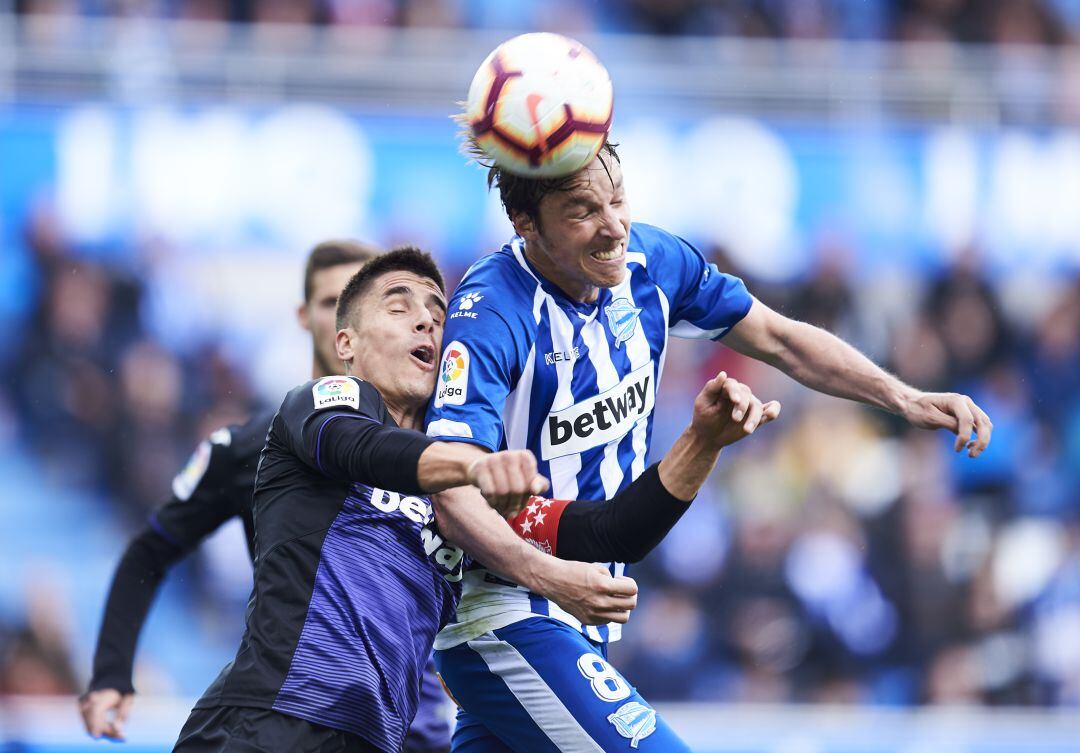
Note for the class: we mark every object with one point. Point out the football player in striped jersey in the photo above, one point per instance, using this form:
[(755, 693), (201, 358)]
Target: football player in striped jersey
[(556, 343)]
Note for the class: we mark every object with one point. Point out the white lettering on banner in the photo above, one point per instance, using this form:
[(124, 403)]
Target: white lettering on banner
[(608, 417)]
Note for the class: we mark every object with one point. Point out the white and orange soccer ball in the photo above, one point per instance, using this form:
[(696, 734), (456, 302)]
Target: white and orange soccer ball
[(540, 105)]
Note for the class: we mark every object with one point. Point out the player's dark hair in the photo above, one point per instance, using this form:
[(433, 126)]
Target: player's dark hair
[(400, 259), (521, 195), (334, 253)]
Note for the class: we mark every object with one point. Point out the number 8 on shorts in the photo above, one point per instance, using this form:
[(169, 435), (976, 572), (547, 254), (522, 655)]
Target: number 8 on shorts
[(607, 683)]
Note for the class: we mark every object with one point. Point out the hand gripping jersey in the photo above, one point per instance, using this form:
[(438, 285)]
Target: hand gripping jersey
[(352, 580), (525, 367)]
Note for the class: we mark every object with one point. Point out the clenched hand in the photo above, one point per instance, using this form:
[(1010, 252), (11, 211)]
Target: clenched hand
[(507, 479), (590, 592)]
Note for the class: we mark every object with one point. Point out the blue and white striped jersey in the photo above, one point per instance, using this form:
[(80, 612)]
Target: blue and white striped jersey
[(526, 367)]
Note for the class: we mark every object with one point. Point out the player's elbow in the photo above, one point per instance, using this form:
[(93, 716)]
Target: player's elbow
[(152, 552), (447, 506), (634, 552)]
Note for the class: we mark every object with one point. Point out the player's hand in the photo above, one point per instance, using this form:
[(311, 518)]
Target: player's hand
[(726, 411), (507, 479), (590, 592), (957, 413), (105, 711)]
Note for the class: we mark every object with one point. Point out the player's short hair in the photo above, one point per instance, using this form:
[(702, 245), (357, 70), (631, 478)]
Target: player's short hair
[(334, 253), (521, 195), (400, 259)]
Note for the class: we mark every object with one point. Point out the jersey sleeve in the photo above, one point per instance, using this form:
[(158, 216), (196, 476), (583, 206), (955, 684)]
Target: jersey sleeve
[(704, 302), (339, 427), (480, 363), (134, 586), (203, 495), (623, 529)]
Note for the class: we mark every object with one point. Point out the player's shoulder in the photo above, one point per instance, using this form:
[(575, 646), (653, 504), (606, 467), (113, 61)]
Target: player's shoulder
[(331, 392), (495, 298), (649, 242), (246, 440), (503, 275)]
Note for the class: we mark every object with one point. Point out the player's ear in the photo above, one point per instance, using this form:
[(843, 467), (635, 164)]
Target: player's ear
[(302, 316), (343, 344), (524, 225)]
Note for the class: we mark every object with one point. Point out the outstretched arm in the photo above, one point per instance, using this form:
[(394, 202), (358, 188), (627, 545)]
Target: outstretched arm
[(203, 498), (636, 520), (824, 362), (105, 705)]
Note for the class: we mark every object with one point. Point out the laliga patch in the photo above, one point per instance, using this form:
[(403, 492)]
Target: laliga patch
[(187, 480), (635, 721), (335, 392), (622, 319), (453, 376)]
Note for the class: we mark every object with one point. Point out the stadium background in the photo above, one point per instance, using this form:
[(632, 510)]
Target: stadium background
[(906, 174)]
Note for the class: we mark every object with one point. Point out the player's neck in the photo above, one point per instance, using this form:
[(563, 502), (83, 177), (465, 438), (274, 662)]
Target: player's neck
[(406, 416), (572, 289)]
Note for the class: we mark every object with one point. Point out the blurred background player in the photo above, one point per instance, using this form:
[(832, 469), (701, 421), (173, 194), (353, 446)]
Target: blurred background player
[(216, 486), (556, 343)]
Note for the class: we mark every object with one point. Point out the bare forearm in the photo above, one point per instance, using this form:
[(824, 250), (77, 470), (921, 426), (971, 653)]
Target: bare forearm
[(446, 464), (467, 520), (825, 363), (687, 464)]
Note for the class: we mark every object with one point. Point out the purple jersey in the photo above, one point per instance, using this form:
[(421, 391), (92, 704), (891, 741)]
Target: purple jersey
[(352, 580)]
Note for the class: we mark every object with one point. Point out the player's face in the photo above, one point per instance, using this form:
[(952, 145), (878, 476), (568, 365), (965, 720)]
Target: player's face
[(580, 240), (398, 335), (317, 315)]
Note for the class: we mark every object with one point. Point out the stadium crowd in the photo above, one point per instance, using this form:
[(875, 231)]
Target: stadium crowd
[(834, 557), (999, 21)]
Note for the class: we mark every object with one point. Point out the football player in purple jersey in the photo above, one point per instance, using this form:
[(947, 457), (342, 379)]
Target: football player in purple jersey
[(215, 487)]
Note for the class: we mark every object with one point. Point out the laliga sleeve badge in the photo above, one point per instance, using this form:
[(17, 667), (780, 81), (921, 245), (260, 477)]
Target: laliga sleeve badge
[(185, 483), (453, 383), (336, 392), (635, 721)]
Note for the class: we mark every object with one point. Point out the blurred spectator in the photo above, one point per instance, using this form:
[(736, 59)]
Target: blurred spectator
[(35, 657), (1003, 22)]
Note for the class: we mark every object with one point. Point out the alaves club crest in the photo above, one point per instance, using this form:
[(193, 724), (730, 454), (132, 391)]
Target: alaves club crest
[(622, 319), (635, 721)]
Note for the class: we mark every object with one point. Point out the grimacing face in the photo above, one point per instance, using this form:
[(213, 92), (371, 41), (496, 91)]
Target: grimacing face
[(394, 337), (580, 240), (317, 316)]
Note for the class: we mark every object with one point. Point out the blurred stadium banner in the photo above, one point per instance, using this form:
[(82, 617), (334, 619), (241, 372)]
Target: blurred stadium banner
[(197, 177)]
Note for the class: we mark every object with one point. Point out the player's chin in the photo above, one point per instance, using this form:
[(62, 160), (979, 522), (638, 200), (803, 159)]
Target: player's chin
[(607, 275), (422, 387)]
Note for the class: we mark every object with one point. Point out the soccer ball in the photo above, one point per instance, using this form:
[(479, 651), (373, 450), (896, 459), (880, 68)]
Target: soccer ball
[(540, 105)]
